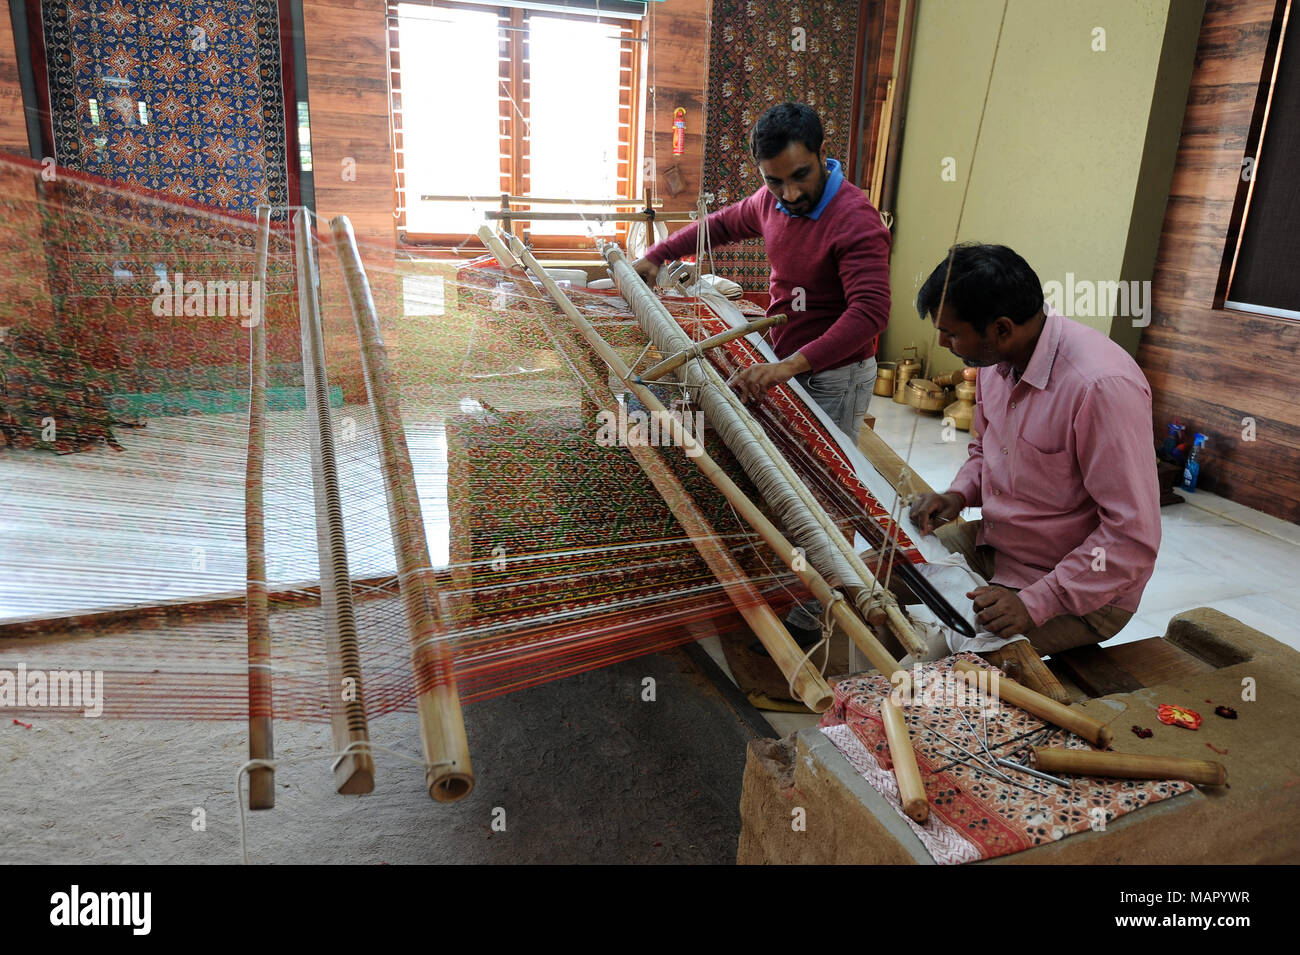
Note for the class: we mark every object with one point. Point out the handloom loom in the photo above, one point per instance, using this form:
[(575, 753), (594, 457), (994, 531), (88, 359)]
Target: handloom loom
[(431, 522), (576, 564)]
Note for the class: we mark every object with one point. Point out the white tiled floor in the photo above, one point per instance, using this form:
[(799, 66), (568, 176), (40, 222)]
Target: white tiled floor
[(1213, 552)]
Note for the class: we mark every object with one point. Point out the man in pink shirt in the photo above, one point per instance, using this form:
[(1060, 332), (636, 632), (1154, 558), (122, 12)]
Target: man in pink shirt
[(829, 254), (1062, 462)]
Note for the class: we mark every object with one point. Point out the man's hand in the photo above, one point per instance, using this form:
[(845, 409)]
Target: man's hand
[(647, 270), (930, 511), (752, 383), (1000, 611)]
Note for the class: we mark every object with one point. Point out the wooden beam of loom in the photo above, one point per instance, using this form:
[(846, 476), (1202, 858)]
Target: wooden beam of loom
[(799, 672), (261, 780), (354, 772), (448, 773), (524, 215), (784, 489), (790, 555)]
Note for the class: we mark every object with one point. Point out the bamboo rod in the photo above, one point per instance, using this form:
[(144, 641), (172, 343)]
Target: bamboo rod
[(1078, 762), (448, 773), (872, 593), (524, 215), (807, 683), (261, 744), (882, 145), (539, 201), (674, 362), (892, 468), (355, 771), (1074, 720), (911, 791), (792, 557)]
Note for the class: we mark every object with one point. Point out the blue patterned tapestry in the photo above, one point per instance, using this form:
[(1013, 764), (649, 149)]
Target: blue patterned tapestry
[(208, 73)]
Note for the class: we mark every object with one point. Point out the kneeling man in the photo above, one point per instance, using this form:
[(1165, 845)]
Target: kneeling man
[(1062, 463)]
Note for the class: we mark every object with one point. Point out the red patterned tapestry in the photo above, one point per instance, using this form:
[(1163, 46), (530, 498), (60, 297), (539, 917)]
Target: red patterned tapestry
[(761, 54)]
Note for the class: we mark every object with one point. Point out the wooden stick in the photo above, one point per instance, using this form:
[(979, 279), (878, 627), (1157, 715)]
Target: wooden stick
[(882, 146), (807, 683), (448, 773), (892, 468), (911, 791), (1204, 772), (354, 772), (1074, 720), (520, 215), (676, 361), (261, 745), (793, 558), (540, 201)]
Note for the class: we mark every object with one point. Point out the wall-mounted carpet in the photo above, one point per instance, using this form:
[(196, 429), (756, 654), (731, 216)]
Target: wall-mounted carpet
[(755, 61), (187, 99)]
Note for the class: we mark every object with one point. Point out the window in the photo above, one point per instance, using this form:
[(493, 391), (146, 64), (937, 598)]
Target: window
[(1259, 273), (525, 100)]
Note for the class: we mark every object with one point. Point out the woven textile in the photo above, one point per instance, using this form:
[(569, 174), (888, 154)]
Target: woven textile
[(209, 76), (755, 62), (973, 815)]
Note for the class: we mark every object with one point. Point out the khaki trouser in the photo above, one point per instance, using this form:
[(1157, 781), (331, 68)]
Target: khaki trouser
[(1059, 633)]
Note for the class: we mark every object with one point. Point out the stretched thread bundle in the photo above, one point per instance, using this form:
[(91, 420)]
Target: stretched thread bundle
[(565, 602), (781, 487)]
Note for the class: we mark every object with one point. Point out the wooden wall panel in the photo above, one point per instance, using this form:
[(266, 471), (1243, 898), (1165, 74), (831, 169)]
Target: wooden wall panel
[(13, 123), (347, 94), (347, 84), (678, 66), (1213, 368)]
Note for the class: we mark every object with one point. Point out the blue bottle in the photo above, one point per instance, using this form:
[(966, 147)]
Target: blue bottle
[(1193, 469)]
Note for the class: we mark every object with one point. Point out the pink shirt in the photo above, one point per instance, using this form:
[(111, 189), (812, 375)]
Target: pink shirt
[(1064, 469)]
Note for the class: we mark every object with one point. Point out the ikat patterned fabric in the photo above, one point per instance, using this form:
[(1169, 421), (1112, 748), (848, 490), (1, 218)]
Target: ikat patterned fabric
[(974, 815), (754, 64)]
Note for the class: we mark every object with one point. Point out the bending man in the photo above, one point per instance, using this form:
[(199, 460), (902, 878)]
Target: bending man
[(1062, 462)]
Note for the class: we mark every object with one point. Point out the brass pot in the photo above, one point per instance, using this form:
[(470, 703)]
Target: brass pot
[(907, 367), (884, 379), (924, 395)]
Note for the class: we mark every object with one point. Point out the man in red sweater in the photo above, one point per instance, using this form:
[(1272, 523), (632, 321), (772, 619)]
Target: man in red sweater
[(829, 254)]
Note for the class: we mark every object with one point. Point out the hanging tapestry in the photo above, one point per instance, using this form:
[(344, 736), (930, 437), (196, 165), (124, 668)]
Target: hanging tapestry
[(761, 54), (183, 99)]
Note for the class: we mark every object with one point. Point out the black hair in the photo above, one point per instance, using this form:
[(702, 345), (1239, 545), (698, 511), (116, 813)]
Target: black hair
[(985, 282), (783, 124)]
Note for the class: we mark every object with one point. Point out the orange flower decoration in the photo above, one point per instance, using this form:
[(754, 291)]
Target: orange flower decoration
[(1178, 716)]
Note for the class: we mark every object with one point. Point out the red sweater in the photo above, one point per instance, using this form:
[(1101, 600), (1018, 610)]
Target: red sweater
[(840, 260)]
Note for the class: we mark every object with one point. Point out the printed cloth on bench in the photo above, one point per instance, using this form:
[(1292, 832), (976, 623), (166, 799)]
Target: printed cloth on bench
[(974, 815)]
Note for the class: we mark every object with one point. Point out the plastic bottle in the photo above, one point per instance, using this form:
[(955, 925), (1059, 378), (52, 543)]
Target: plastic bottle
[(1169, 450), (1193, 469)]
